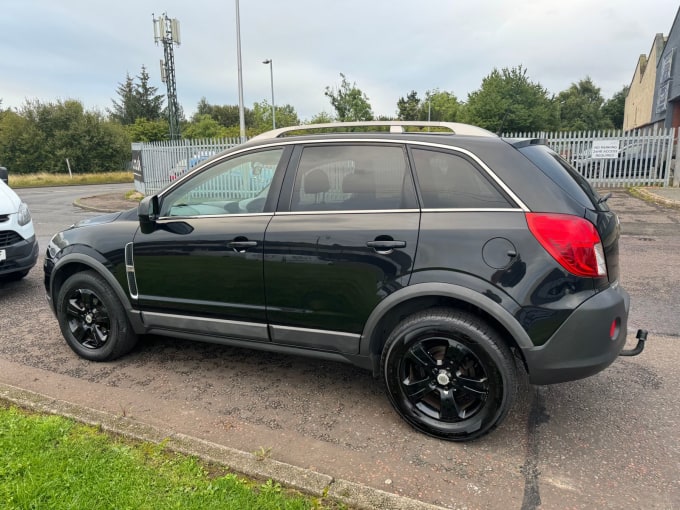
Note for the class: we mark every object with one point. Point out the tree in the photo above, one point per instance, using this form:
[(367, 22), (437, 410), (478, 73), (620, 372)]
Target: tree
[(125, 110), (204, 126), (409, 108), (40, 136), (443, 106), (509, 101), (149, 104), (350, 103), (613, 108), (321, 118), (226, 115), (262, 116), (581, 107), (21, 143), (137, 100), (144, 130)]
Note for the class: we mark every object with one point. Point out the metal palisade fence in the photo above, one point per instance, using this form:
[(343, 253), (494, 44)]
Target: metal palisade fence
[(606, 158), (157, 164), (613, 158)]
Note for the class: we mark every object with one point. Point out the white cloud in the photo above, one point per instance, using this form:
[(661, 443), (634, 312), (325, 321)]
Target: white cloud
[(82, 49)]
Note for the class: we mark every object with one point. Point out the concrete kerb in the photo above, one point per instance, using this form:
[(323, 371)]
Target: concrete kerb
[(79, 203), (653, 195), (307, 481)]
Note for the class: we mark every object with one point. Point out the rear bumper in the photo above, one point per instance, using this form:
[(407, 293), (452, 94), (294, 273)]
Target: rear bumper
[(20, 256), (582, 346)]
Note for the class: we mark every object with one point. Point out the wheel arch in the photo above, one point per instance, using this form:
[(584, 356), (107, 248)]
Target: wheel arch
[(73, 263), (405, 302)]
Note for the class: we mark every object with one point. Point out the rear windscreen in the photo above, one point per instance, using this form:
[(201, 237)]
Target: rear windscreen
[(564, 175)]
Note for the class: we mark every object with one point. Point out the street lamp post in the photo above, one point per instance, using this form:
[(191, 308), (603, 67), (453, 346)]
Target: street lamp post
[(241, 112), (271, 76)]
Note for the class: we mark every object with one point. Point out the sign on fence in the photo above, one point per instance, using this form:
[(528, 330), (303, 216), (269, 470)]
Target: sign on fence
[(614, 158), (605, 149)]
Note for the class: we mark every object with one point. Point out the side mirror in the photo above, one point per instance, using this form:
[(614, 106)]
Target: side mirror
[(147, 211), (4, 175)]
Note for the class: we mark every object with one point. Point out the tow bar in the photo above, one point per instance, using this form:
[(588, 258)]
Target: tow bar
[(641, 338)]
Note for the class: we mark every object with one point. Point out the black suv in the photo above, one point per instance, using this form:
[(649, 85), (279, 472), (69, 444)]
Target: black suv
[(442, 262)]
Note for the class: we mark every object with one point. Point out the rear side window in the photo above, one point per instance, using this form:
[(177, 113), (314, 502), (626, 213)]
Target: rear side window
[(352, 177), (450, 181), (564, 176)]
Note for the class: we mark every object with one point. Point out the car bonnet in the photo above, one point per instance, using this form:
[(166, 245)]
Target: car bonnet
[(9, 201)]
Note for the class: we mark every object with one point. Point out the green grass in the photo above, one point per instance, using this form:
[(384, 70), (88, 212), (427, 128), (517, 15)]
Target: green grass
[(49, 462), (47, 179)]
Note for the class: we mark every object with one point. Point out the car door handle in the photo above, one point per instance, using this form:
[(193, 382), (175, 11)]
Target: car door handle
[(386, 246)]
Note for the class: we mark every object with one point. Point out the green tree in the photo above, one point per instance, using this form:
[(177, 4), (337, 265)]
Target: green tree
[(614, 107), (203, 126), (321, 118), (40, 136), (408, 108), (125, 109), (443, 106), (226, 115), (144, 130), (21, 143), (137, 100), (510, 102), (581, 107), (149, 103), (349, 102), (262, 116)]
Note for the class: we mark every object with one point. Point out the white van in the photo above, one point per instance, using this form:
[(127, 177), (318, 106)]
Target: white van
[(18, 245)]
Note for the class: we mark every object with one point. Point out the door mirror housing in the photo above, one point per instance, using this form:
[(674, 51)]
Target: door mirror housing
[(147, 211)]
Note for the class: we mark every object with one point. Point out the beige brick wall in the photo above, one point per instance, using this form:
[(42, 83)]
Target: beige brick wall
[(640, 98)]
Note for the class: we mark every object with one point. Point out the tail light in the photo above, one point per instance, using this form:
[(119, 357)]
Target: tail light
[(572, 241)]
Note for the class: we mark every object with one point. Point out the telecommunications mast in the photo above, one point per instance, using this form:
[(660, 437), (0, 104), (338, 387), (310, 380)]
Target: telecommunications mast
[(166, 31)]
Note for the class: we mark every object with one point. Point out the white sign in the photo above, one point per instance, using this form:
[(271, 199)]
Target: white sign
[(605, 149)]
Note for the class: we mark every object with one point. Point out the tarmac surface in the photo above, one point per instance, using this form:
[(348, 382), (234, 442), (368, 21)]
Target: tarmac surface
[(307, 480)]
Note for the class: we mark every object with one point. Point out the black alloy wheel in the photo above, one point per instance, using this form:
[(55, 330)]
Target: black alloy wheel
[(443, 379), (448, 374), (88, 319), (92, 319)]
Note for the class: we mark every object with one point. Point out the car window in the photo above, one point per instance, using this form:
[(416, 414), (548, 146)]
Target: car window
[(235, 186), (450, 181), (566, 177), (352, 177)]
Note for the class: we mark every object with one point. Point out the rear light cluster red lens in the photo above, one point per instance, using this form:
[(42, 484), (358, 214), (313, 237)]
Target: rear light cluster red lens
[(572, 241)]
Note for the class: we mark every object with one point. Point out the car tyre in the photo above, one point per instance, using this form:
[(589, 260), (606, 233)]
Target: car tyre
[(449, 374), (92, 318)]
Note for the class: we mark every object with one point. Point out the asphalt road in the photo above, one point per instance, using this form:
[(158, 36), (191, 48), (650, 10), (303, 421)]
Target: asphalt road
[(609, 441)]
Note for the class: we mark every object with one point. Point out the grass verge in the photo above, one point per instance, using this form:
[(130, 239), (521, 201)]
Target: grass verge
[(49, 462), (47, 179)]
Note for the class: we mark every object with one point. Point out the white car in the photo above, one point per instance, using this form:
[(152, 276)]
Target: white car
[(18, 245)]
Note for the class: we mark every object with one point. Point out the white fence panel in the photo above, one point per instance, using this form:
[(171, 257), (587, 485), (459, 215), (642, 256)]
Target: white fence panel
[(642, 157), (157, 164)]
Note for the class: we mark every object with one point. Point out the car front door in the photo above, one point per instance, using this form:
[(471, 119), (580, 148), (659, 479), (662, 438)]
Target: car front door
[(344, 238), (200, 269)]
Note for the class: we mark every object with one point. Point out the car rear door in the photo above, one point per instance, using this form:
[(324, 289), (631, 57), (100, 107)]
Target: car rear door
[(344, 237)]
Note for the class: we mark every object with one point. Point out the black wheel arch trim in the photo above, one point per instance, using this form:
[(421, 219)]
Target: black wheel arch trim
[(134, 316), (369, 344)]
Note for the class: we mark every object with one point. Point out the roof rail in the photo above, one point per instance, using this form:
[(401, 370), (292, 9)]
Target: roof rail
[(396, 126)]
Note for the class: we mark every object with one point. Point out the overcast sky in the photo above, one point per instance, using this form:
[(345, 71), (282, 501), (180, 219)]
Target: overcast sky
[(82, 49)]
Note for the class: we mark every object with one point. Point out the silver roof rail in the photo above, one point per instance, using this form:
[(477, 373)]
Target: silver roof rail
[(396, 126)]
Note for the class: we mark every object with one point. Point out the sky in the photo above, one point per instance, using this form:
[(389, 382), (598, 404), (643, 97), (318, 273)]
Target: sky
[(83, 49)]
